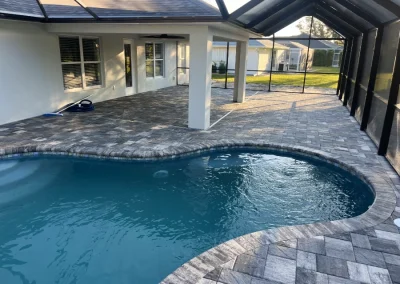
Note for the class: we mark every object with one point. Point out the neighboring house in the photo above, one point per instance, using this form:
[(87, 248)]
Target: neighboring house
[(296, 57), (322, 46), (54, 52), (288, 56), (259, 56)]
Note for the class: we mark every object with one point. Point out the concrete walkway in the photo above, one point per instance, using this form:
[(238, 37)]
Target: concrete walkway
[(364, 249)]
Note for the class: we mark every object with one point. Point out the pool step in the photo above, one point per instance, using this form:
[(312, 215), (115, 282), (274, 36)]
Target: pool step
[(7, 166), (23, 181), (16, 172)]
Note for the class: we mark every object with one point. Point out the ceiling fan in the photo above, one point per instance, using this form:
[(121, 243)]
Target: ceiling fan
[(164, 36)]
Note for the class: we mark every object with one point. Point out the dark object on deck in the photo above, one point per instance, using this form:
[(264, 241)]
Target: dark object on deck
[(83, 106)]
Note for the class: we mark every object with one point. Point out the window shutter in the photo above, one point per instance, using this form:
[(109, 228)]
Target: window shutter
[(159, 51), (91, 49), (92, 74), (72, 76), (69, 49)]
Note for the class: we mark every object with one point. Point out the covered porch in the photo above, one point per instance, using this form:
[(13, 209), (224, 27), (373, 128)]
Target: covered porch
[(194, 41), (154, 124)]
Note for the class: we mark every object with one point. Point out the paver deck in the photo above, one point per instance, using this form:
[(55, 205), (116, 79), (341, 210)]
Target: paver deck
[(365, 249)]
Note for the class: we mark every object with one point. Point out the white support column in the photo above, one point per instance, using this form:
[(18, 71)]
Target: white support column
[(239, 93), (200, 79)]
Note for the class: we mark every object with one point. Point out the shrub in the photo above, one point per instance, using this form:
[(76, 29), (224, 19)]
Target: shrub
[(222, 67), (323, 58), (214, 68)]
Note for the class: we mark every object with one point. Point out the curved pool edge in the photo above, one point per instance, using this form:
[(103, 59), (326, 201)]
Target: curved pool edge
[(195, 269), (382, 208)]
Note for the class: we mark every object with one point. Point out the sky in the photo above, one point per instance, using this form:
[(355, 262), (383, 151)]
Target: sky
[(232, 5)]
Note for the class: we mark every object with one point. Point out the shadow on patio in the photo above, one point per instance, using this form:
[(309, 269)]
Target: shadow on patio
[(157, 121)]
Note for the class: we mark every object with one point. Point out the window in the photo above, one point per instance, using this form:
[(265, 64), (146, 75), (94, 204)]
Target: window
[(294, 60), (336, 58), (128, 65), (81, 63), (154, 60)]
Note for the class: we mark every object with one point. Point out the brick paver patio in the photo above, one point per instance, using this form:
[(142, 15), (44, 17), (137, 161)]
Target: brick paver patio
[(364, 249)]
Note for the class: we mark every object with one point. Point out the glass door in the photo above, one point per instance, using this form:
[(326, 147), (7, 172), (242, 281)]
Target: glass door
[(128, 67), (294, 59)]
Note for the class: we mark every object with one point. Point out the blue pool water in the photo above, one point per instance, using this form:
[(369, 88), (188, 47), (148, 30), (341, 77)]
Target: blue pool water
[(74, 220)]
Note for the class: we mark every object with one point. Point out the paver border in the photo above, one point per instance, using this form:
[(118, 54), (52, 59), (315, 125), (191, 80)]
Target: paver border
[(195, 269)]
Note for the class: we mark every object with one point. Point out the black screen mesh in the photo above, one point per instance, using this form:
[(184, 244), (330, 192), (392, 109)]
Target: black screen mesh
[(360, 105), (386, 59), (351, 95), (393, 153), (376, 118), (369, 52), (355, 67)]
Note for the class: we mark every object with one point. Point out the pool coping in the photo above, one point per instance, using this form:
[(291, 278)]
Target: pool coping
[(195, 269)]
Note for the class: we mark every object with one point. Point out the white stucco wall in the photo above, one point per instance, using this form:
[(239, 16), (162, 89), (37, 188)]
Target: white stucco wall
[(31, 76), (169, 78), (30, 71)]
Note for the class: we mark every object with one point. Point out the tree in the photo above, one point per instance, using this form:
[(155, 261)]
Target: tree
[(319, 28)]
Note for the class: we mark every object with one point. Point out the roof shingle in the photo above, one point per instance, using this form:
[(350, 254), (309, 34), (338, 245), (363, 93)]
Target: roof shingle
[(64, 8), (70, 9), (21, 7), (151, 8)]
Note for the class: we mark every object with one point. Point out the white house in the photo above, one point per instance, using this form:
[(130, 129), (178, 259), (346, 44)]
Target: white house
[(54, 52), (297, 56), (324, 46), (259, 55), (288, 56)]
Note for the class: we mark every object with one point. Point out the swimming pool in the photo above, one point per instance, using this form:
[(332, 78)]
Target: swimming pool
[(76, 220)]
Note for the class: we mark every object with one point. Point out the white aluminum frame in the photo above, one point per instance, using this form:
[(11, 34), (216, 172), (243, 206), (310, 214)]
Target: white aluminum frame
[(154, 59), (83, 62), (130, 90)]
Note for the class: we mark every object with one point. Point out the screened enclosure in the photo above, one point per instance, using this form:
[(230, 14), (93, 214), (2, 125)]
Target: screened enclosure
[(276, 64), (364, 73)]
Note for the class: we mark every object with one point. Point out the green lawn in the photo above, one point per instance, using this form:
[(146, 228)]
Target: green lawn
[(325, 69), (313, 80)]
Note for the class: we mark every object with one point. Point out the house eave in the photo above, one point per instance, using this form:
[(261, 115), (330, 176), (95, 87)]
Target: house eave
[(122, 19)]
